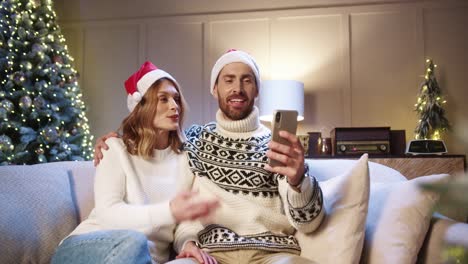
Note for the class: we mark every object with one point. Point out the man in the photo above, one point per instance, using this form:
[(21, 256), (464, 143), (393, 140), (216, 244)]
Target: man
[(261, 206)]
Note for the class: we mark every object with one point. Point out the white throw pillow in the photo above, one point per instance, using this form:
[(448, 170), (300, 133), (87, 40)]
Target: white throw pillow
[(398, 219), (339, 239)]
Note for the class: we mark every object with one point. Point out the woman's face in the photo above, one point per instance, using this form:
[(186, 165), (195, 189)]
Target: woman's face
[(167, 111)]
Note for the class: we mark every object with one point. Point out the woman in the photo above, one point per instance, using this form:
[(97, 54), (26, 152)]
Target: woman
[(137, 181)]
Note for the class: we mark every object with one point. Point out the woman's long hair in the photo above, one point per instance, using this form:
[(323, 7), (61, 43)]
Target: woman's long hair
[(138, 132)]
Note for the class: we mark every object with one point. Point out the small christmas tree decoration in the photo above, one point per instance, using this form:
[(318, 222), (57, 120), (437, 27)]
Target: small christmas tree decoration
[(432, 120), (42, 114)]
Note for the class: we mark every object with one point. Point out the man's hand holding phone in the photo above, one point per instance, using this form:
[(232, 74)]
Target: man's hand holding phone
[(286, 153), (291, 157)]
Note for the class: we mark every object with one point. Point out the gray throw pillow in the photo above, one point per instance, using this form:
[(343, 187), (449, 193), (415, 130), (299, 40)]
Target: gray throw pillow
[(36, 212)]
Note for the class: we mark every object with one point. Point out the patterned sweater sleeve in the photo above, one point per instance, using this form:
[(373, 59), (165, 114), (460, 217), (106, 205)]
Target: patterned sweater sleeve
[(185, 232), (304, 209)]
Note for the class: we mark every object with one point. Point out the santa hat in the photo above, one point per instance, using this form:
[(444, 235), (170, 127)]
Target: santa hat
[(231, 56), (139, 82)]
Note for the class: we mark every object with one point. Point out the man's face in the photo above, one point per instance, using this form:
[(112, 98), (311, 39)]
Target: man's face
[(236, 90)]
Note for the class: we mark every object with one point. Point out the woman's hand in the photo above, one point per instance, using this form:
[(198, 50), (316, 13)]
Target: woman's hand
[(185, 206), (101, 144), (191, 250)]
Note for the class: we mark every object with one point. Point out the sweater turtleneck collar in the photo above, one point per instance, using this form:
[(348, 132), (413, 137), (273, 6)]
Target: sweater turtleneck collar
[(248, 124)]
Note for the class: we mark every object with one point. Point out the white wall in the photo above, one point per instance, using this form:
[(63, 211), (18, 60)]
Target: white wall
[(361, 61)]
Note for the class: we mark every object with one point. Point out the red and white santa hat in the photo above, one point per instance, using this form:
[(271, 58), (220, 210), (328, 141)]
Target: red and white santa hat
[(231, 56), (139, 82)]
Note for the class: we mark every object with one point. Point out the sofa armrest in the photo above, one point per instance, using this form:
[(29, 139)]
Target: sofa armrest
[(442, 231)]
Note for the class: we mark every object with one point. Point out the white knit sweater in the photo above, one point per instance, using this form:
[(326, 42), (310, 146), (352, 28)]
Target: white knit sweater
[(134, 193), (259, 210)]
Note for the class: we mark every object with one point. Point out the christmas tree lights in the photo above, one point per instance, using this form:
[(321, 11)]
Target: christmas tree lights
[(429, 106), (42, 113)]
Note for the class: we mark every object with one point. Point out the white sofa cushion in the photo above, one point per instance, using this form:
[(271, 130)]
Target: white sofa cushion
[(339, 238), (398, 219)]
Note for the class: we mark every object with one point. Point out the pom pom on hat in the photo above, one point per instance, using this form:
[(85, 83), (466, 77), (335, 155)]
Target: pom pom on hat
[(138, 83), (231, 56)]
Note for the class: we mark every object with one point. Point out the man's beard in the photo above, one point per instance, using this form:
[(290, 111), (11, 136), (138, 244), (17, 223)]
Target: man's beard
[(233, 114)]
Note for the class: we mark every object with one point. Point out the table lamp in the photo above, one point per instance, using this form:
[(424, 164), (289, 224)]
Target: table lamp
[(281, 94)]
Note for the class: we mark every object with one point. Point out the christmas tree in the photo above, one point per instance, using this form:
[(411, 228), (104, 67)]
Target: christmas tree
[(432, 120), (42, 115)]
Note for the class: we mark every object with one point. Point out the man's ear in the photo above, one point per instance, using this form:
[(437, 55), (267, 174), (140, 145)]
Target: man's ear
[(215, 91)]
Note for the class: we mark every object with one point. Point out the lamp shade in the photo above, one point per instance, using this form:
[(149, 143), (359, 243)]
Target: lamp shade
[(281, 95)]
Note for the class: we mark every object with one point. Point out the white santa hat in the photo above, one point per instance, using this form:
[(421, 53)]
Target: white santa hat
[(139, 82), (231, 56)]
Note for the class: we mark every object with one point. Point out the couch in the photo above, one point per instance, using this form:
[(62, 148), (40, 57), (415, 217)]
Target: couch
[(41, 204)]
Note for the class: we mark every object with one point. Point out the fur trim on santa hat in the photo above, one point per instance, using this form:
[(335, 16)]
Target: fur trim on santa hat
[(138, 83), (231, 56)]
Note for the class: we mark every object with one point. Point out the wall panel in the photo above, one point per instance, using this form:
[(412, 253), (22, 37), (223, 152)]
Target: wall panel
[(385, 69), (446, 40), (308, 49), (178, 49), (111, 56)]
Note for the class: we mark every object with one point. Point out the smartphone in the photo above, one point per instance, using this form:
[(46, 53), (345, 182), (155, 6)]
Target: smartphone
[(282, 120)]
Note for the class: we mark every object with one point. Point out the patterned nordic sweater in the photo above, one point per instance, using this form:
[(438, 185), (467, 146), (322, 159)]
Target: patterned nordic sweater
[(259, 210)]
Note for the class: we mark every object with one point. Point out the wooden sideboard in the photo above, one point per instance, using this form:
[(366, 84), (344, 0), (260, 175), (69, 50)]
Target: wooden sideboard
[(415, 166)]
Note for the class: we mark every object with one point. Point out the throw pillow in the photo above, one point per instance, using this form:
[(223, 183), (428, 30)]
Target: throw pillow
[(82, 184), (36, 212), (340, 237), (398, 219)]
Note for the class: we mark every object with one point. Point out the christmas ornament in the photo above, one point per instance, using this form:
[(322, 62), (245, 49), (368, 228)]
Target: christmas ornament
[(18, 78), (7, 105), (50, 134), (39, 151), (25, 102)]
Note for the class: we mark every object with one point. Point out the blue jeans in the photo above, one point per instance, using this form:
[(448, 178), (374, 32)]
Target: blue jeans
[(110, 247)]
